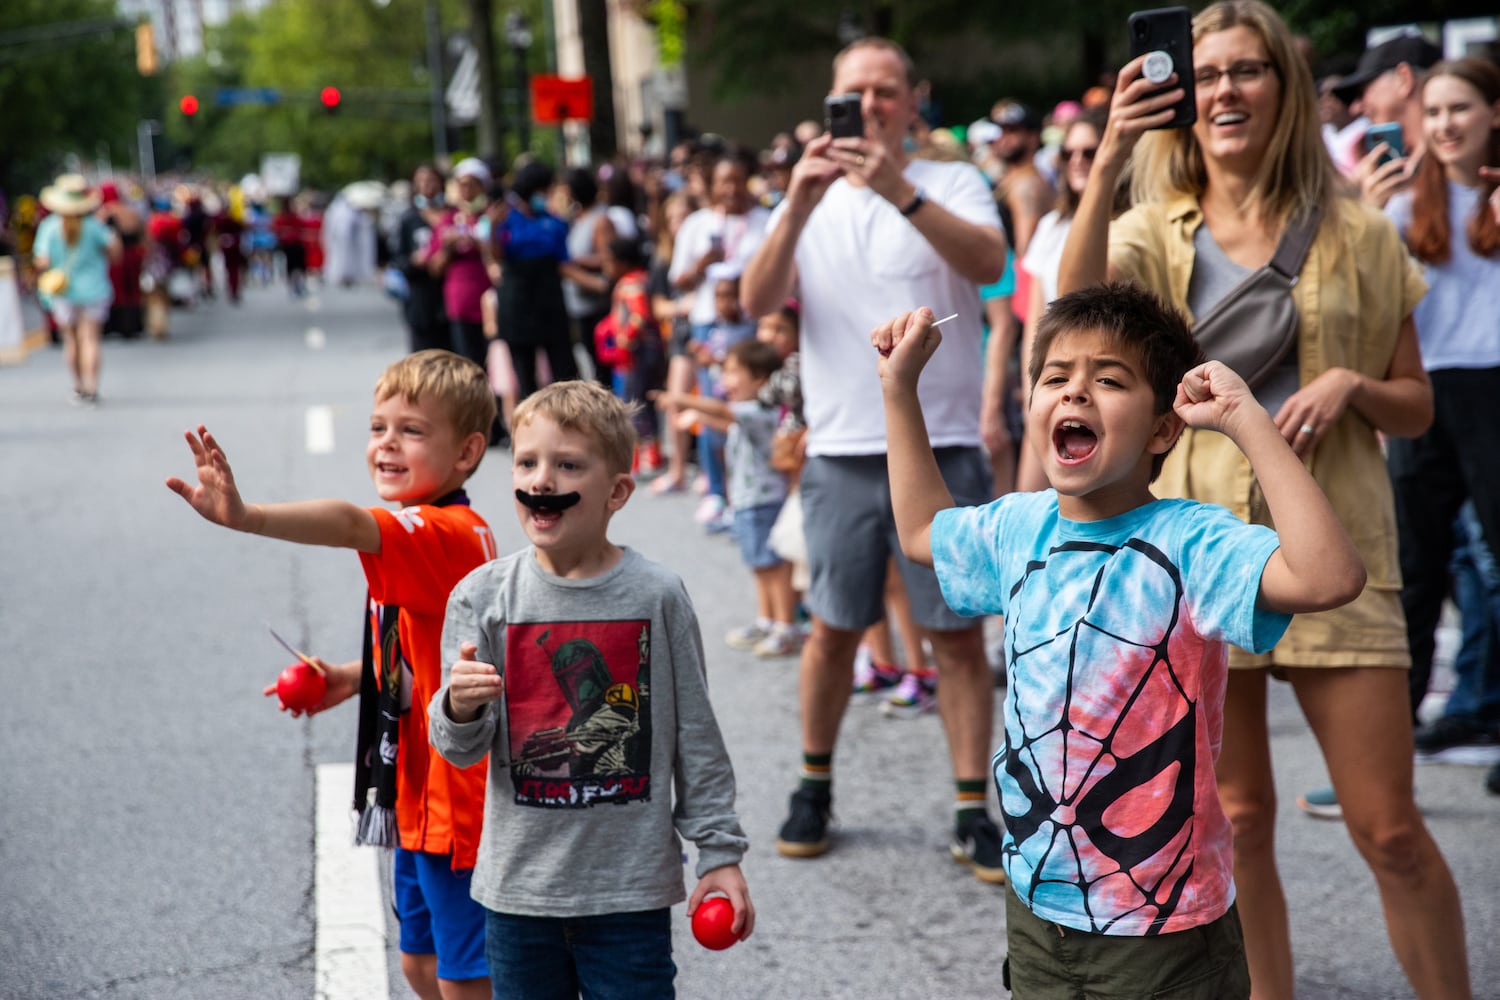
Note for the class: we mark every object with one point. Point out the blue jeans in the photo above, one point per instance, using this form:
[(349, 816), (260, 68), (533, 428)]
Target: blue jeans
[(711, 444), (612, 956), (1476, 590)]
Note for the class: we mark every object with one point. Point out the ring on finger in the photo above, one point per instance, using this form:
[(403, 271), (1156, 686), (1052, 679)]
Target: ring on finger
[(1307, 429), (860, 159)]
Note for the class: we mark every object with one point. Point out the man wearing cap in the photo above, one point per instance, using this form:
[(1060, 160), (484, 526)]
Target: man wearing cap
[(864, 232), (1023, 193), (1386, 86), (72, 252)]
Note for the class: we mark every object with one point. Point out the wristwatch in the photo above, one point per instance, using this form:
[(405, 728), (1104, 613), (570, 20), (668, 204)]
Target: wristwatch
[(917, 201)]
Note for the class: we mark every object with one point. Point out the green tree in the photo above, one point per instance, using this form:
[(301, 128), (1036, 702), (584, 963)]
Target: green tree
[(68, 86)]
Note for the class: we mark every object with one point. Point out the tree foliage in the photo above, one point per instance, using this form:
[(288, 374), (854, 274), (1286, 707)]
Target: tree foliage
[(68, 87)]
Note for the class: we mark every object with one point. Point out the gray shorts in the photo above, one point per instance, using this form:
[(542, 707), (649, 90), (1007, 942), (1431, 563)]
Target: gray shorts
[(851, 532)]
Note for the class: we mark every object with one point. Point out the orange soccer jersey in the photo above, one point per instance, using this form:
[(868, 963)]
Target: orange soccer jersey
[(424, 552)]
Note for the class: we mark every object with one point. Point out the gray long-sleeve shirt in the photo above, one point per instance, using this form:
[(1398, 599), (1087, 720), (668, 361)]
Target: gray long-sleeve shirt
[(605, 698)]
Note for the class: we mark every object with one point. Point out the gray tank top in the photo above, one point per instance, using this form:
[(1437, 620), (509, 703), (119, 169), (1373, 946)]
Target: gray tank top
[(1215, 276)]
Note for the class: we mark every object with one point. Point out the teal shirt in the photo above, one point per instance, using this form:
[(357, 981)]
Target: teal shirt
[(87, 262)]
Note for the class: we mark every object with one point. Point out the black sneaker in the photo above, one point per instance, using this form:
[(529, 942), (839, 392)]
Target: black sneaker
[(977, 843), (1447, 732), (805, 832)]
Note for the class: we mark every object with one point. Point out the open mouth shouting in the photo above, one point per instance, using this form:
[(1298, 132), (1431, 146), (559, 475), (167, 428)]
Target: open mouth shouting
[(1073, 441)]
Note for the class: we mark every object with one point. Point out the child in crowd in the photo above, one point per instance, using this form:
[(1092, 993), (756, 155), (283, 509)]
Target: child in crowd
[(577, 667), (628, 341), (1118, 611), (708, 352), (756, 490), (433, 411), (783, 390)]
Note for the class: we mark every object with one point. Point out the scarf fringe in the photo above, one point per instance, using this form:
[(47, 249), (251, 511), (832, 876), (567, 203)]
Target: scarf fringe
[(377, 827)]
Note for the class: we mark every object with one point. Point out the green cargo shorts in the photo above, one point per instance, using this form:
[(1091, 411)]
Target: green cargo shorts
[(1051, 962)]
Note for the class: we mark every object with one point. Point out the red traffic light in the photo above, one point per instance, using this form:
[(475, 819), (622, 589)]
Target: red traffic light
[(188, 105), (330, 97)]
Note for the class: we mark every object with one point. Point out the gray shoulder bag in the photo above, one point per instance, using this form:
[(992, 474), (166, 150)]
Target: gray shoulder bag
[(1254, 327)]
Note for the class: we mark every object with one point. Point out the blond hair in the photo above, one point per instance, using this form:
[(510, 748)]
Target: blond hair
[(1296, 172), (459, 387), (589, 409)]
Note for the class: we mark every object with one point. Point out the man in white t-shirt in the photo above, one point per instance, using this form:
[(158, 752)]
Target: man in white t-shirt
[(865, 232)]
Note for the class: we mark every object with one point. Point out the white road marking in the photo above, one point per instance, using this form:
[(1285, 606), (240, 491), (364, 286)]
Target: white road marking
[(314, 304), (315, 338), (350, 940), (318, 430)]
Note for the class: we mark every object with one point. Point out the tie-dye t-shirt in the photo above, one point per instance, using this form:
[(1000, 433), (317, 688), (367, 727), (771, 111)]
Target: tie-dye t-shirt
[(1115, 658)]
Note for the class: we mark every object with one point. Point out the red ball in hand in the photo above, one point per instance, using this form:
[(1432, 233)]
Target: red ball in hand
[(713, 923), (301, 687)]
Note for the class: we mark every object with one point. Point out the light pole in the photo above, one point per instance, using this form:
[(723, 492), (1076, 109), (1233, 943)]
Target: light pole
[(518, 37)]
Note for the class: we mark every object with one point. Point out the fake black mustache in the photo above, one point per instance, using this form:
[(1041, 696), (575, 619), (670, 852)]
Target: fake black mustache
[(549, 501)]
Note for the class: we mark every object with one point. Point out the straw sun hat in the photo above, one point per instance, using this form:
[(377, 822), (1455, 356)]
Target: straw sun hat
[(70, 195)]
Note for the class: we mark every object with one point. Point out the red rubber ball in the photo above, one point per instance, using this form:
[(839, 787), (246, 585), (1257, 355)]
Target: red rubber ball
[(713, 923)]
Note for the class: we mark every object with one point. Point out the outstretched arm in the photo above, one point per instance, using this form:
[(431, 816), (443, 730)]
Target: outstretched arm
[(918, 492), (1317, 566), (336, 523)]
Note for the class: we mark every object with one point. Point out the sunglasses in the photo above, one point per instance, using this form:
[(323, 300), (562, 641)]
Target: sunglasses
[(1087, 152)]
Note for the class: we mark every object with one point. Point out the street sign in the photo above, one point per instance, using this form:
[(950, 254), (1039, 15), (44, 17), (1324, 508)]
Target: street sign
[(228, 96), (556, 99)]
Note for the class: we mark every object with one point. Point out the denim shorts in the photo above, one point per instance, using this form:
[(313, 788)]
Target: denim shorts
[(437, 915), (611, 956), (851, 532), (1050, 962), (752, 531)]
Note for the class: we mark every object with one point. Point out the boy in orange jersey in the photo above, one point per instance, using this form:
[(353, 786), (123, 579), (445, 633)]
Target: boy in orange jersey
[(428, 428)]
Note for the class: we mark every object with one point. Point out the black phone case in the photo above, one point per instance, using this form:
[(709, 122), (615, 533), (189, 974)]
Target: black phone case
[(846, 126), (1169, 30)]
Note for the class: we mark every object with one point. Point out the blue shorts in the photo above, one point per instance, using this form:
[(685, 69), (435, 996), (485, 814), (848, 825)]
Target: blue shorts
[(752, 531), (437, 914)]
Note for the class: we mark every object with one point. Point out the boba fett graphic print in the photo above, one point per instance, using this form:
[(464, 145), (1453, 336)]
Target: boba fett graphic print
[(578, 703)]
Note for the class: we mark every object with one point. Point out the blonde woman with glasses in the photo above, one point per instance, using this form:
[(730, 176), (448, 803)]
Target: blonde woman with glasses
[(1212, 202)]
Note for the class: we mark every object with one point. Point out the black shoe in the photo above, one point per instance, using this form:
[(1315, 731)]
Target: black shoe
[(805, 832), (1449, 731), (1492, 780), (977, 843)]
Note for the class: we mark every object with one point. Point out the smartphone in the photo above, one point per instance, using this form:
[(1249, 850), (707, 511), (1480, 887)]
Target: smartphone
[(1168, 30), (1390, 134), (842, 116)]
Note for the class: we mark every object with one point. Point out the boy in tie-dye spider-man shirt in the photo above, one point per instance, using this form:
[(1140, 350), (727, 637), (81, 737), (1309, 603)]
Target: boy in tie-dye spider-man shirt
[(1118, 611)]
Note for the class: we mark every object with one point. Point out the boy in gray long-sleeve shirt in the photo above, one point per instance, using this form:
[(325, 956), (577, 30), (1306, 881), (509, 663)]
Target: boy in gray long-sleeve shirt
[(577, 665)]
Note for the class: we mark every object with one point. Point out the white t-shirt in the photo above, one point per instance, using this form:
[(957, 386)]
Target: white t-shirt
[(858, 264), (742, 234), (1044, 252), (1458, 321)]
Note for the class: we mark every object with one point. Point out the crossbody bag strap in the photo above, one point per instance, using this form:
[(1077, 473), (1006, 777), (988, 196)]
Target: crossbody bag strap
[(1296, 241)]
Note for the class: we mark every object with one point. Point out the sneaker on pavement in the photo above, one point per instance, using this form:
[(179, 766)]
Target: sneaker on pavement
[(1450, 732), (709, 509), (724, 522), (1321, 803), (977, 843), (778, 643), (915, 695), (872, 682), (805, 832), (746, 636)]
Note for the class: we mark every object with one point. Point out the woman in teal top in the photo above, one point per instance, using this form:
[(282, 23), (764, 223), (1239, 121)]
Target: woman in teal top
[(72, 254)]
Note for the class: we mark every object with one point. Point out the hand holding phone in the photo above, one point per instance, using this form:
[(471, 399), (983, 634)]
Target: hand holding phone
[(1167, 34)]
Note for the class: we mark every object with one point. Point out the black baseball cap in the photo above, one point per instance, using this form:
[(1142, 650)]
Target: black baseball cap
[(1408, 48), (1016, 115)]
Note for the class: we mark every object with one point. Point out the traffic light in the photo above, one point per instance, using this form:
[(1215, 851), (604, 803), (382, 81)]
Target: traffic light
[(330, 97), (188, 105)]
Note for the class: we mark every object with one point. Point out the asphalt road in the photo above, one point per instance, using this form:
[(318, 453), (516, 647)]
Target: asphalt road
[(157, 814)]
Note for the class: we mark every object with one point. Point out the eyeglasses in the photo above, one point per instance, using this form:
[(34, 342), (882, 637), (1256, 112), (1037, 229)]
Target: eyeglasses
[(1087, 152), (1245, 73)]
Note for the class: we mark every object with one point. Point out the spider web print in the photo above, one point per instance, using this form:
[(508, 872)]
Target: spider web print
[(1100, 791)]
